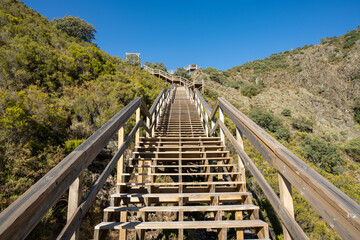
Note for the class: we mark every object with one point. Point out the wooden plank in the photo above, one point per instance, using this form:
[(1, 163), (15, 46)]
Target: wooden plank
[(156, 195), (183, 225), (209, 208), (179, 183)]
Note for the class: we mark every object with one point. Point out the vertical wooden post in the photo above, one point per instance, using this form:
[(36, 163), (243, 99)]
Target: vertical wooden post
[(137, 135), (154, 125), (120, 171), (240, 161), (207, 124), (286, 199), (148, 126), (120, 163), (213, 125), (73, 202), (221, 117)]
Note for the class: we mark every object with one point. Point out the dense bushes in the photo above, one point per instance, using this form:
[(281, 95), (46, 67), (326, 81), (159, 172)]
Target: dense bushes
[(55, 90), (356, 108), (302, 124), (350, 38), (76, 27), (156, 65), (250, 90), (323, 154), (275, 61), (269, 122), (215, 76), (352, 148), (286, 112)]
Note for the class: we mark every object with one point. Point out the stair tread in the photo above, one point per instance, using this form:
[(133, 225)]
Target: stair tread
[(183, 166), (179, 183), (183, 208), (176, 174), (179, 194), (182, 224)]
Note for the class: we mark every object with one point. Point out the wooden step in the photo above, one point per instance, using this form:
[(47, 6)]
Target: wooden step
[(181, 174), (178, 195), (182, 159), (183, 166), (260, 226), (180, 139), (198, 208), (181, 183)]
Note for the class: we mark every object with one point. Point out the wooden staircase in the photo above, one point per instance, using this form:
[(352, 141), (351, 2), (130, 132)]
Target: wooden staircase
[(186, 174)]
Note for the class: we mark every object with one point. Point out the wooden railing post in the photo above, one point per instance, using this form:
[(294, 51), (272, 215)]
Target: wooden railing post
[(73, 202), (137, 135), (154, 124), (221, 117), (207, 124), (240, 161), (148, 125), (120, 171), (287, 200), (120, 163)]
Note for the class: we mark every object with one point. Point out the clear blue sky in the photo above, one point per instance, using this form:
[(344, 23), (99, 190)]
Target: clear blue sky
[(220, 34)]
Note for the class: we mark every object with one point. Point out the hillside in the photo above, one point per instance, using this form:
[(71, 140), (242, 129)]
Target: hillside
[(307, 98), (318, 81), (55, 91)]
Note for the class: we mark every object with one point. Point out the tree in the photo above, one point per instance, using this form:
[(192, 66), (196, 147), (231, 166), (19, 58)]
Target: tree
[(181, 72), (76, 27), (156, 65)]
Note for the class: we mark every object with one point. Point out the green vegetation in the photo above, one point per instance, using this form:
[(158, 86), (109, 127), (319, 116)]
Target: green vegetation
[(214, 75), (302, 124), (269, 122), (325, 155), (76, 27), (356, 108), (250, 90), (286, 112), (55, 91), (274, 62), (182, 73), (156, 65), (351, 37), (352, 148)]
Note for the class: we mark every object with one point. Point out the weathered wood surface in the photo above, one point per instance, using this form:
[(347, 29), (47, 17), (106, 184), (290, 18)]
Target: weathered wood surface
[(245, 207), (183, 225)]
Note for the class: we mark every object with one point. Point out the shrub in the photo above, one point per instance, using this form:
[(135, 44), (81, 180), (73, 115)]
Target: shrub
[(283, 133), (269, 122), (250, 90), (352, 148), (356, 108), (76, 27), (350, 38), (70, 145), (302, 124), (323, 154), (286, 112)]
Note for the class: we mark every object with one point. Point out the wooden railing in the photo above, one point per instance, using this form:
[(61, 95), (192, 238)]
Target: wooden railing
[(172, 78), (339, 210), (17, 221)]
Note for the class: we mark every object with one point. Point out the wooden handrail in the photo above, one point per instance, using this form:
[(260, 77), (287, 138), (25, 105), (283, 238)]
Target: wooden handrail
[(17, 221), (169, 76), (340, 211)]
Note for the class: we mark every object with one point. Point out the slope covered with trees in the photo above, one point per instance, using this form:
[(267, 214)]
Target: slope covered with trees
[(55, 91)]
